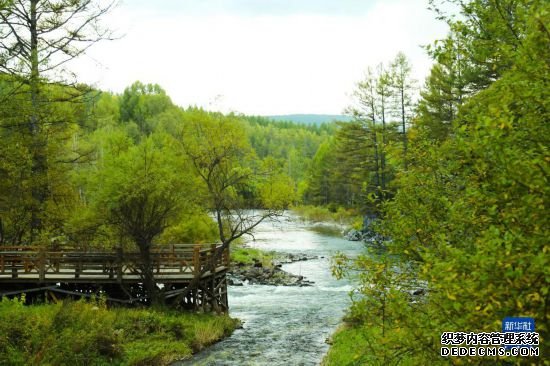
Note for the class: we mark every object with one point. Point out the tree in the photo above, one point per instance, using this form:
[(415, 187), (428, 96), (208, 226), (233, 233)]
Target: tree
[(372, 132), (276, 189), (366, 109), (141, 191), (37, 39), (404, 87), (218, 149), (489, 34), (141, 103), (59, 137), (445, 91)]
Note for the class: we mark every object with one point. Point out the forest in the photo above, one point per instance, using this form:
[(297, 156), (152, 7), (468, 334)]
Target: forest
[(449, 184)]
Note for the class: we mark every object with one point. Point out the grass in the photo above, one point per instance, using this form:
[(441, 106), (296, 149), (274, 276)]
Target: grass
[(347, 348), (327, 230), (349, 217), (248, 256), (81, 333)]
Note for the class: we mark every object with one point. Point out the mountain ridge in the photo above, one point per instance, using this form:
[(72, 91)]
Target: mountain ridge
[(310, 119)]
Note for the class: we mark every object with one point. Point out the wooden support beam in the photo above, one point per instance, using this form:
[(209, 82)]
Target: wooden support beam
[(28, 290)]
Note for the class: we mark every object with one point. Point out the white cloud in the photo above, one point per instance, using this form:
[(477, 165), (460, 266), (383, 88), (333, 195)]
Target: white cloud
[(260, 64)]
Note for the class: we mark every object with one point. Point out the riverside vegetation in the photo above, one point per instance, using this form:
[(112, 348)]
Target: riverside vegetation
[(464, 213), (81, 333)]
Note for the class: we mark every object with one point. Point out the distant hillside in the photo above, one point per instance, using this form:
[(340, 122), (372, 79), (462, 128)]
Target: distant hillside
[(310, 119)]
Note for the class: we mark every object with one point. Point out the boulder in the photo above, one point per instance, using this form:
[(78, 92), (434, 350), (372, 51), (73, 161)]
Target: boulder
[(353, 235)]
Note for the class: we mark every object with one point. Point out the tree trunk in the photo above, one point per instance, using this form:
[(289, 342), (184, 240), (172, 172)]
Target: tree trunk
[(376, 155), (383, 150), (38, 144), (147, 273), (403, 120)]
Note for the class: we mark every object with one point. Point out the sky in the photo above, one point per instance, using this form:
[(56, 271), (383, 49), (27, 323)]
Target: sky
[(258, 57)]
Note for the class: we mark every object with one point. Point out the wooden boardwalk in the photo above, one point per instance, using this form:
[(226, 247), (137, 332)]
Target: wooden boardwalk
[(116, 274)]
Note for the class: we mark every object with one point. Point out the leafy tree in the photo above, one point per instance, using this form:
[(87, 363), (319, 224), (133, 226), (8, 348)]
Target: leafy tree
[(319, 188), (37, 38), (141, 191), (364, 144), (219, 152), (488, 36), (277, 191), (384, 93), (444, 92), (141, 102), (61, 146), (404, 88), (366, 110), (293, 145)]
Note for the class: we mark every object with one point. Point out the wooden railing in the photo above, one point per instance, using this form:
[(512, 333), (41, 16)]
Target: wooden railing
[(47, 264)]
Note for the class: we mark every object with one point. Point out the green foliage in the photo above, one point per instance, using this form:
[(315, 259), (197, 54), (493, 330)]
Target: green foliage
[(97, 150), (192, 228), (291, 145), (349, 347), (37, 39), (140, 190), (277, 192), (245, 255), (35, 191), (142, 104), (221, 158), (320, 191), (365, 153), (80, 333), (469, 221), (332, 213)]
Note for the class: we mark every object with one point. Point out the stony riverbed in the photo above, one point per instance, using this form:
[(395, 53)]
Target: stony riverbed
[(273, 275)]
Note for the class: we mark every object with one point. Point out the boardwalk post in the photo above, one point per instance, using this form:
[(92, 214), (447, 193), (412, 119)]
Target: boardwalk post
[(13, 269), (197, 259), (119, 260), (212, 257), (41, 264), (226, 257)]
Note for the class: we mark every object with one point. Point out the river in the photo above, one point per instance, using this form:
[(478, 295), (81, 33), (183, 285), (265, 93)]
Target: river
[(286, 325)]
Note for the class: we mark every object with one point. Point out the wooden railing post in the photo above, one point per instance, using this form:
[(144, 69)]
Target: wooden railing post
[(172, 254), (197, 259), (119, 263), (13, 269), (213, 260), (42, 264), (226, 257), (78, 266)]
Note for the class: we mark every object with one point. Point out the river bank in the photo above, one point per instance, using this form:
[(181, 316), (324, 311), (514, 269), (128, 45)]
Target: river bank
[(84, 333)]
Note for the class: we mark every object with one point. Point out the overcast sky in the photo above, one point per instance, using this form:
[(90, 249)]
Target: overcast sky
[(260, 57)]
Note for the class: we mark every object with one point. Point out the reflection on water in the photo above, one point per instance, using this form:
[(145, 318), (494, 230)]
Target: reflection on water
[(286, 325)]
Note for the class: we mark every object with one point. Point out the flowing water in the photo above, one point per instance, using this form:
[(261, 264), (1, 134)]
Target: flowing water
[(286, 325)]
